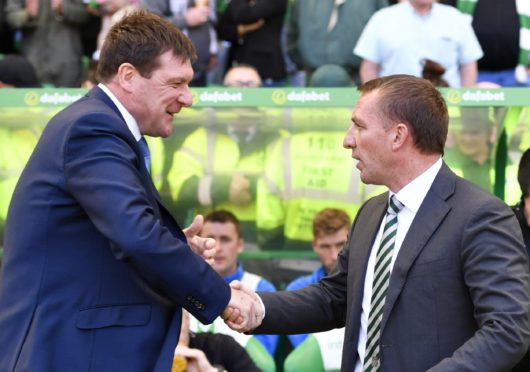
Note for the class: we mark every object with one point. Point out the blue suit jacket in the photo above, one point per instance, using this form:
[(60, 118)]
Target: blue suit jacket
[(95, 270), (458, 297)]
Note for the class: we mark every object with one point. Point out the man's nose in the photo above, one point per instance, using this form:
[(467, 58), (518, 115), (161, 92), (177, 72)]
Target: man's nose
[(349, 140), (185, 99)]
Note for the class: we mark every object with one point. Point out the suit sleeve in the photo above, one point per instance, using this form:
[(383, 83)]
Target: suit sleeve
[(102, 172), (315, 308), (496, 271)]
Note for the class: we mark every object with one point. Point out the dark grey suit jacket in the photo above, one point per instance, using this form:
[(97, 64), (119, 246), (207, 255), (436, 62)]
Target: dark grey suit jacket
[(459, 291)]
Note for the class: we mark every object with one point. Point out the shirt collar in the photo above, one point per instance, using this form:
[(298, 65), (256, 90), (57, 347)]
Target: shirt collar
[(237, 275), (412, 195), (320, 273), (129, 120), (413, 11)]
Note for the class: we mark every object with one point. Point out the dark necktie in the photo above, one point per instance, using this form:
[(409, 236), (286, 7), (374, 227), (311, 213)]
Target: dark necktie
[(145, 153)]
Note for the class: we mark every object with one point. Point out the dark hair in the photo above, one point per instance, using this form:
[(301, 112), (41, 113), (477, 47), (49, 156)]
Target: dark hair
[(222, 216), (523, 174), (330, 220), (433, 71), (415, 102), (140, 38)]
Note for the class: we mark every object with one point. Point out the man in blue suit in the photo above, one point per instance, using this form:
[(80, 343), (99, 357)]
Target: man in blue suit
[(434, 276), (96, 271)]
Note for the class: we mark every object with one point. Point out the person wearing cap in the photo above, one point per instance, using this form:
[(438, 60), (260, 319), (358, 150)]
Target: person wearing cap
[(17, 72)]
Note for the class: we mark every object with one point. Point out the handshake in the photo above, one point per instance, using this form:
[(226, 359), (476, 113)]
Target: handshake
[(245, 311)]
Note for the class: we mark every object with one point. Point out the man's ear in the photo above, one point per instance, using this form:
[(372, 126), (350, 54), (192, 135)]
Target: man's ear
[(401, 135), (126, 76), (240, 245), (314, 244)]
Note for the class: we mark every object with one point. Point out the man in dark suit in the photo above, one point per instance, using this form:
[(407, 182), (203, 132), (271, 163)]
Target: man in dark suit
[(434, 275), (96, 271)]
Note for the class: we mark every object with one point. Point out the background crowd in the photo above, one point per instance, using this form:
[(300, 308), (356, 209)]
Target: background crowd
[(470, 42)]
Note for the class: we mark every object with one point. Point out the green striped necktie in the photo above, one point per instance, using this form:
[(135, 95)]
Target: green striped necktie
[(380, 285)]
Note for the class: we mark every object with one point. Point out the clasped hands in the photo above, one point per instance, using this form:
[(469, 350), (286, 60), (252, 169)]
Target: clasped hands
[(245, 310)]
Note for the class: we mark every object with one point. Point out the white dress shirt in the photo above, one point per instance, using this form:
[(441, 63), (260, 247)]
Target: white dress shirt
[(411, 196)]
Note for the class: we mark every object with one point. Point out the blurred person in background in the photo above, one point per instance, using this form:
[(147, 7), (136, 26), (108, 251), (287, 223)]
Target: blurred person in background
[(197, 19), (224, 159), (7, 33), (399, 38), (111, 11), (253, 28), (330, 233), (503, 31), (321, 32), (209, 352), (51, 37), (471, 156), (224, 227)]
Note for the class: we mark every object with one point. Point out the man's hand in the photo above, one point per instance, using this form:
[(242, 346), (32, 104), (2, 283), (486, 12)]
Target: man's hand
[(197, 361), (243, 29), (204, 247), (247, 309)]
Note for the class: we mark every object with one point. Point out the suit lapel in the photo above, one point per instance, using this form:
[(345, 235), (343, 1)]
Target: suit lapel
[(427, 220), (97, 93)]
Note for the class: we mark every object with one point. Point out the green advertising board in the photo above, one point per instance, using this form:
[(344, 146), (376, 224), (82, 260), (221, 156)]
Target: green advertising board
[(268, 135)]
